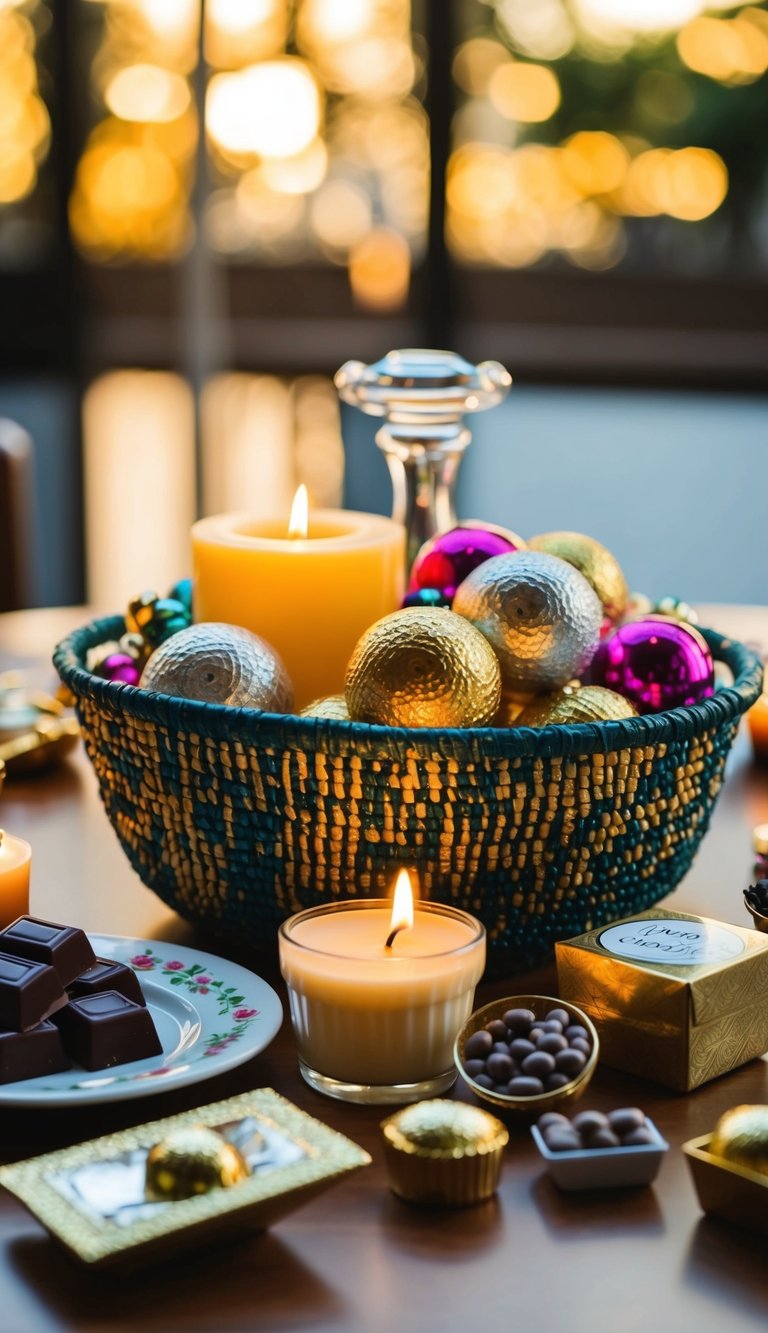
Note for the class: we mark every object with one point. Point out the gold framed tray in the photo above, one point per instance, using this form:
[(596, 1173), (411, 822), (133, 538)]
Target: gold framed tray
[(93, 1197), (726, 1190)]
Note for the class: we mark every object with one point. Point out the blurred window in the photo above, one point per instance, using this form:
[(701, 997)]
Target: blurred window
[(575, 186)]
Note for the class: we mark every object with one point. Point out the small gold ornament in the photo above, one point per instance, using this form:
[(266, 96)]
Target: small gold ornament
[(423, 668), (741, 1137), (539, 614), (444, 1153), (592, 703), (190, 1161), (333, 706), (594, 561), (220, 664), (511, 707)]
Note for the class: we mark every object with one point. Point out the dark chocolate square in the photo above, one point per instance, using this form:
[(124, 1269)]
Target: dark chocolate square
[(107, 1029), (107, 975), (29, 992), (66, 948), (31, 1054)]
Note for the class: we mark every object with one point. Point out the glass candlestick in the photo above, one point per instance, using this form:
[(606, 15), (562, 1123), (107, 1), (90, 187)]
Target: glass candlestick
[(423, 396)]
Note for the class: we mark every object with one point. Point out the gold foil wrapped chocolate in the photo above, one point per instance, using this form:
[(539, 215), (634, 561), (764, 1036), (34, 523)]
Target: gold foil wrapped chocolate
[(741, 1137), (443, 1153), (423, 668), (193, 1160)]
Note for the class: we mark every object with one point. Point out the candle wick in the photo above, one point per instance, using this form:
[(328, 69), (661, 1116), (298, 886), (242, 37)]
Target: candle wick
[(391, 936)]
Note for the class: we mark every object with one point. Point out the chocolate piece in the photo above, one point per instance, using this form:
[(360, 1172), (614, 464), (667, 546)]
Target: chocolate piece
[(107, 975), (29, 992), (626, 1118), (64, 947), (107, 1029), (31, 1054), (537, 1055)]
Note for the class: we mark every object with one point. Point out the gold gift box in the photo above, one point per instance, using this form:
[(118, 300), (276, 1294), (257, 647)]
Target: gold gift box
[(675, 998)]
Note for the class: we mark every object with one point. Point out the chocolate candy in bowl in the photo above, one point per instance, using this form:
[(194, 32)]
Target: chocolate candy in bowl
[(527, 1053), (594, 1150)]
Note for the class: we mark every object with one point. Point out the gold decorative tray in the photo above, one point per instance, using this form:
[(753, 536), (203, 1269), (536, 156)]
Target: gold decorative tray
[(91, 1197), (726, 1190)]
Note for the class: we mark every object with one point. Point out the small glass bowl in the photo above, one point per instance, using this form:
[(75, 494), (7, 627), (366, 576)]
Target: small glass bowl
[(542, 1101)]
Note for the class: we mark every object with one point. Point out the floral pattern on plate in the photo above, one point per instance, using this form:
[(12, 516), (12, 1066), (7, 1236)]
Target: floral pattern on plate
[(188, 993)]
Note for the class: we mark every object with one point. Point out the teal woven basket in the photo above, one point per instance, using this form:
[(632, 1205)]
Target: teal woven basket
[(237, 818)]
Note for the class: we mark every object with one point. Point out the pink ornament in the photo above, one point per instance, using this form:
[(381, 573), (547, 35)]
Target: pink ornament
[(656, 663), (445, 560), (120, 667)]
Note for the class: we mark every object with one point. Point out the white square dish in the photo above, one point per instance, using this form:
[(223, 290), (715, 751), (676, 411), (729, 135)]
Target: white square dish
[(604, 1168)]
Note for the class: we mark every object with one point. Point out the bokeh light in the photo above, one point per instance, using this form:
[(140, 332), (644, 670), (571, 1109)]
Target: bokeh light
[(147, 93), (524, 92), (24, 123), (380, 270), (269, 110)]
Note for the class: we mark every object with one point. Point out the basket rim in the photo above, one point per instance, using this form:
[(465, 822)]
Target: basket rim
[(290, 731)]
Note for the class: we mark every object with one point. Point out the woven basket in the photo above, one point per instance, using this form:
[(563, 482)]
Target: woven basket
[(237, 818)]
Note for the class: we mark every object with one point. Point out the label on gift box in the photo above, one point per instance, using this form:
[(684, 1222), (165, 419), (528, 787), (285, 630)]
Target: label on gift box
[(672, 942)]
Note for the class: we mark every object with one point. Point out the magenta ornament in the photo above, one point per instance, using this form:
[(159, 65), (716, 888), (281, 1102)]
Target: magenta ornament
[(656, 663), (445, 560), (120, 667)]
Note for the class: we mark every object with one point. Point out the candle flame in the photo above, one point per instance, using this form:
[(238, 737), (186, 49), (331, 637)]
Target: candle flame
[(298, 524), (402, 907)]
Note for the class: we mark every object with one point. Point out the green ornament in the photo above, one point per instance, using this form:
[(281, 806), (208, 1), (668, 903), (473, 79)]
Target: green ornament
[(182, 592), (156, 618)]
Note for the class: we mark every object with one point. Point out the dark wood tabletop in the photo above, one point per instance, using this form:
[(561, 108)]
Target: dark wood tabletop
[(357, 1260)]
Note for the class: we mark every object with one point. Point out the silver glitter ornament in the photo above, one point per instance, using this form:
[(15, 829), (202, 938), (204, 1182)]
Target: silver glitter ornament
[(540, 615), (220, 664)]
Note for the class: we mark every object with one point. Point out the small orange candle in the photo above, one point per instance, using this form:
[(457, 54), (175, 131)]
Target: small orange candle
[(310, 586), (15, 860), (757, 718)]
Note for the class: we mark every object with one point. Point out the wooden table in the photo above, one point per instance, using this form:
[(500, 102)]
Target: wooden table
[(358, 1259)]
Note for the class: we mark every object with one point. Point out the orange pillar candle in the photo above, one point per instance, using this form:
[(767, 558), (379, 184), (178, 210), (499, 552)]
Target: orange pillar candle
[(376, 1009), (15, 860), (310, 596)]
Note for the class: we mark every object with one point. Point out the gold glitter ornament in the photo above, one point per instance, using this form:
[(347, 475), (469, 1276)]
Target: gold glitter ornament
[(594, 561), (591, 703), (423, 667), (511, 707), (540, 615), (220, 664), (190, 1161), (741, 1137), (444, 1153), (333, 706)]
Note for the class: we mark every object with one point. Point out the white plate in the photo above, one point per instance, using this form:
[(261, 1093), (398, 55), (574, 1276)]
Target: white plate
[(210, 1015)]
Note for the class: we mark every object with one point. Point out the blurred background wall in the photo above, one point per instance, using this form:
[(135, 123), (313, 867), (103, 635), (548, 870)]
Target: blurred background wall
[(206, 208)]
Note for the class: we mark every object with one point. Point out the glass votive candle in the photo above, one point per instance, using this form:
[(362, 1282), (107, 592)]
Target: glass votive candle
[(376, 1022)]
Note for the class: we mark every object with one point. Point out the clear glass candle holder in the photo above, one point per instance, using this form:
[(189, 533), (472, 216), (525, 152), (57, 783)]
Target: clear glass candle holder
[(375, 1023)]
